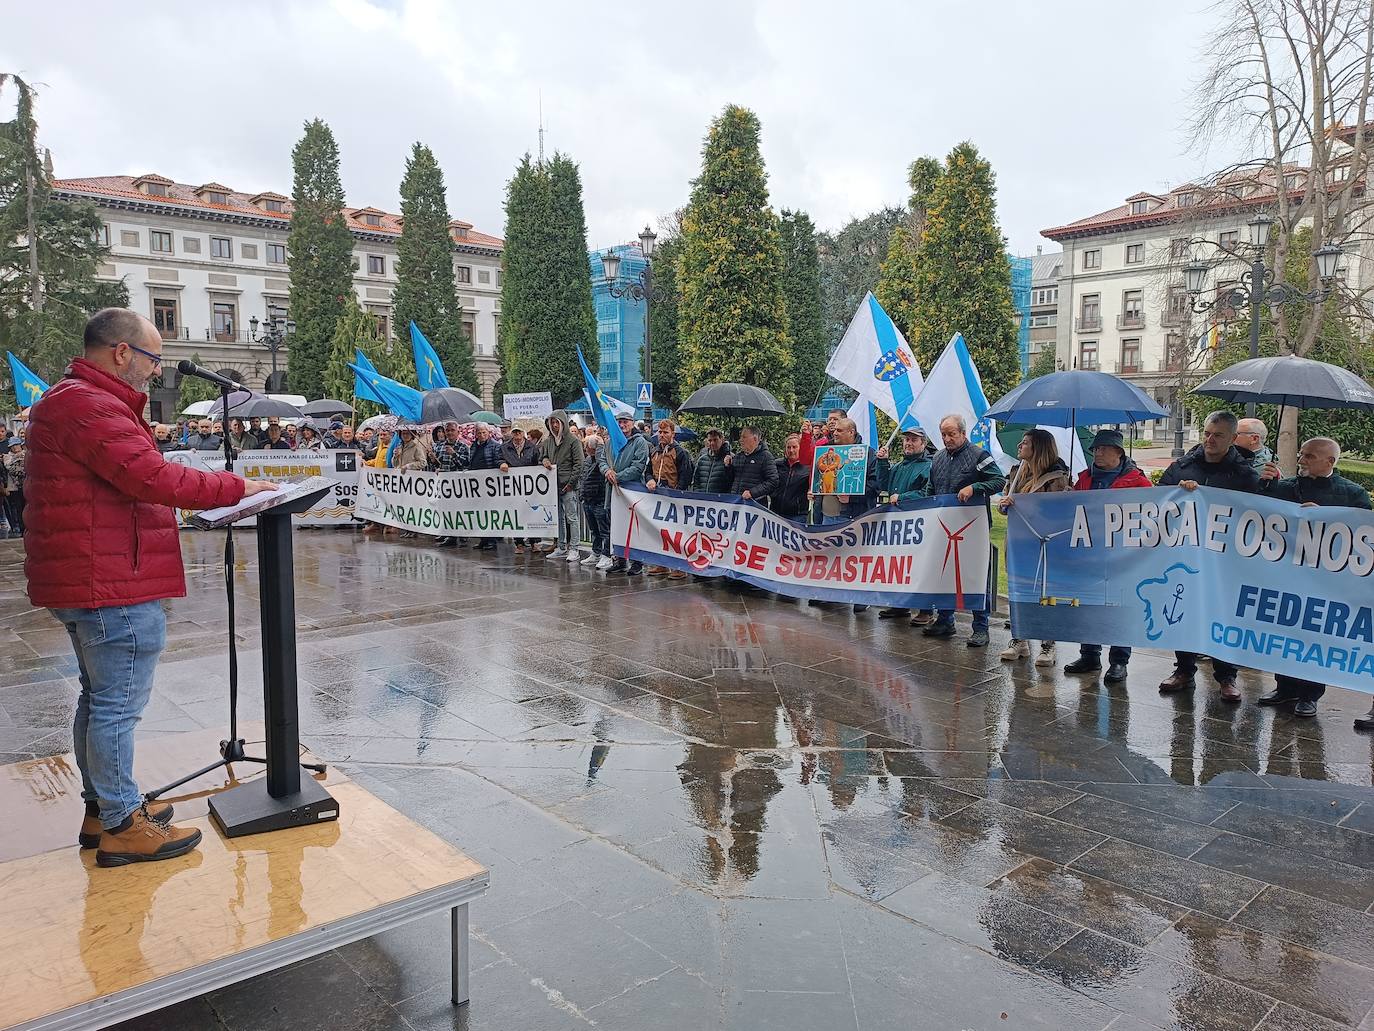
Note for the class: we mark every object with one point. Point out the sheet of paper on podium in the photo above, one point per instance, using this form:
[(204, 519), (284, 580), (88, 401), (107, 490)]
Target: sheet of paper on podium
[(285, 493)]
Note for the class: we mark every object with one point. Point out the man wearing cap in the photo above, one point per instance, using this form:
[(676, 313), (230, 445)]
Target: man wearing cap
[(626, 468), (1316, 485), (1110, 469), (906, 481)]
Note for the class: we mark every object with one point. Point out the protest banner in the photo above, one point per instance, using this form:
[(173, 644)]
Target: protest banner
[(928, 554), (340, 466), (839, 469), (537, 405), (1241, 577), (520, 503)]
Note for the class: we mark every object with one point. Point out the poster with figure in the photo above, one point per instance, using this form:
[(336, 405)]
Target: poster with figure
[(839, 469)]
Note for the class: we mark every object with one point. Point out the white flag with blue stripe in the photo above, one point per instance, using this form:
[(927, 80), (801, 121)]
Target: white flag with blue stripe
[(954, 388), (873, 358)]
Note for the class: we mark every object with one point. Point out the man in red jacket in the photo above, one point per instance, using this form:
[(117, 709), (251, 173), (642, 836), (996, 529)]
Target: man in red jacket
[(101, 553)]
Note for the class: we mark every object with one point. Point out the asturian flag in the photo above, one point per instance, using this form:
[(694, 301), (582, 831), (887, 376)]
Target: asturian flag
[(874, 359), (399, 399), (954, 388), (28, 386), (429, 373), (602, 410)]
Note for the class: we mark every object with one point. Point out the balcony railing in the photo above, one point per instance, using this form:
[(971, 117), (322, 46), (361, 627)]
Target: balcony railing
[(1172, 319), (1088, 323), (1131, 320), (1128, 368)]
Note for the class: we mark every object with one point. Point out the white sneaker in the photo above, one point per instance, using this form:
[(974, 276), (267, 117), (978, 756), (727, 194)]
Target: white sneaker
[(605, 563), (557, 553), (1046, 656), (591, 560), (575, 555)]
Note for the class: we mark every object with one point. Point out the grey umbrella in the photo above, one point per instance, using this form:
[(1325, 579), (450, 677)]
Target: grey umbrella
[(732, 399), (245, 404), (447, 404), (1289, 381), (327, 406)]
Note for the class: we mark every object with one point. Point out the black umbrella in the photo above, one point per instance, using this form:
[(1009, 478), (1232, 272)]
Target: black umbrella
[(732, 399), (245, 404), (1289, 381), (448, 404), (327, 406)]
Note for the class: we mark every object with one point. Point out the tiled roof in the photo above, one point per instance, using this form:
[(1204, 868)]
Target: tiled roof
[(181, 195)]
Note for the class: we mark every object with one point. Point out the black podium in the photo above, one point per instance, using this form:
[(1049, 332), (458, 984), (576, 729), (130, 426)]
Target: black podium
[(283, 798)]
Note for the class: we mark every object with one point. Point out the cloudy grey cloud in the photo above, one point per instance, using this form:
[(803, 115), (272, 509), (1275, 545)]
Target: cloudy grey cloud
[(1077, 104)]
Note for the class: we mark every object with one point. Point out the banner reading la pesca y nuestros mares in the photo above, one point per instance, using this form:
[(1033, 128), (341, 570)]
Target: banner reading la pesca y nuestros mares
[(1241, 577), (930, 554)]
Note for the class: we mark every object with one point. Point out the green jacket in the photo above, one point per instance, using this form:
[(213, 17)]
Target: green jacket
[(564, 454), (908, 478), (1334, 491)]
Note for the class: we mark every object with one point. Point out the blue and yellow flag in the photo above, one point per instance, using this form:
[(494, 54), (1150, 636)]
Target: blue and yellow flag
[(399, 399), (28, 387), (429, 373), (601, 408)]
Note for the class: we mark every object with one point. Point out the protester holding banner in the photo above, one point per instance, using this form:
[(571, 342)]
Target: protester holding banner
[(670, 466), (625, 468), (275, 441), (906, 482), (486, 454), (1111, 470), (755, 470), (1039, 471), (1216, 462), (519, 453), (592, 491), (1316, 485), (965, 470), (794, 482), (713, 474)]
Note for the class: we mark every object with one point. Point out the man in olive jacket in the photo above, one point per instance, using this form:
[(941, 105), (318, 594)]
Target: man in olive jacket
[(562, 451)]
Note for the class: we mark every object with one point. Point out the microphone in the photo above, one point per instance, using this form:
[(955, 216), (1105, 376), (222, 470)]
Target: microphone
[(190, 368)]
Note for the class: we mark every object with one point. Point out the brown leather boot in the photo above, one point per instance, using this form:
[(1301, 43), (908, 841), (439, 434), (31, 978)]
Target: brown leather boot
[(1177, 682), (144, 841), (1228, 690), (91, 829)]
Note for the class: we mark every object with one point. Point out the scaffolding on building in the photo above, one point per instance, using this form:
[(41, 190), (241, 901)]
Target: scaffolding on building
[(1021, 298)]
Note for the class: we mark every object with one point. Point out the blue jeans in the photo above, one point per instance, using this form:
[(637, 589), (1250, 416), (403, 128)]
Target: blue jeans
[(980, 617), (1117, 655), (599, 526), (116, 651)]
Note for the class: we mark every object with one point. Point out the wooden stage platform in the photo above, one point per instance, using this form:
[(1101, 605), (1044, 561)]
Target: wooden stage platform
[(85, 947)]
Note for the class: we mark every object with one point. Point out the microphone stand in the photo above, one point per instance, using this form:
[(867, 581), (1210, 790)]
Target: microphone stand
[(230, 749)]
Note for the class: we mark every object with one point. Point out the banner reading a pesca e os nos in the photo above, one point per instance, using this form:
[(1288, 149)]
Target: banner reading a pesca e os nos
[(930, 554), (520, 503), (1241, 577)]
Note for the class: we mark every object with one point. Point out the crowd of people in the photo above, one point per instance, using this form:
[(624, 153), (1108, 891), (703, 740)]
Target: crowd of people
[(262, 434)]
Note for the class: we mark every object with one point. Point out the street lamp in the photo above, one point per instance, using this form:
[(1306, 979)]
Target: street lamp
[(274, 334), (641, 288), (1258, 287)]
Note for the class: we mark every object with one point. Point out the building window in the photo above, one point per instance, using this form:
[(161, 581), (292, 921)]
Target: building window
[(1092, 259), (274, 206), (498, 279), (165, 317), (1229, 241), (276, 254), (157, 189), (214, 197), (1133, 303), (1130, 354), (1046, 295), (221, 247), (1292, 182), (470, 331), (382, 317), (1185, 200), (376, 265), (1140, 207), (372, 220), (1178, 248), (1087, 354), (102, 235), (464, 273), (159, 242), (226, 317), (1135, 253), (1090, 315)]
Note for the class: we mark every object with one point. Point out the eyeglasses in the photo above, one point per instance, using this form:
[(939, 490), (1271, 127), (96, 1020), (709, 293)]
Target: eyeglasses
[(156, 359)]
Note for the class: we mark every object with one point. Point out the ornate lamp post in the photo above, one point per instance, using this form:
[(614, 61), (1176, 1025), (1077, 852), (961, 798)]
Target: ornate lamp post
[(1257, 284), (641, 288), (274, 334)]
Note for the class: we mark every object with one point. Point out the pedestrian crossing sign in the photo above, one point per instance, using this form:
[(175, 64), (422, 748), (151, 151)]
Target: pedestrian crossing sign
[(644, 396)]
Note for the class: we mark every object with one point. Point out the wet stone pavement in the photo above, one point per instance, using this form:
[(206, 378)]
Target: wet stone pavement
[(708, 808)]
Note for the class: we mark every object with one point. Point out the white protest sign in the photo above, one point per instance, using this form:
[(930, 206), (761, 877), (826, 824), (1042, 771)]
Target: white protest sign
[(538, 405), (520, 503), (340, 466)]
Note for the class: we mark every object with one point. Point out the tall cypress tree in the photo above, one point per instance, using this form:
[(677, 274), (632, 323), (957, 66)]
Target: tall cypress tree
[(897, 284), (963, 276), (732, 325), (850, 266), (425, 292), (321, 250), (802, 289), (548, 280)]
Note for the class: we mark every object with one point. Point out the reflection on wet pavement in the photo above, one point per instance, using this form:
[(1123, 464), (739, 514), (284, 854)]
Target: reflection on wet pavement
[(704, 807)]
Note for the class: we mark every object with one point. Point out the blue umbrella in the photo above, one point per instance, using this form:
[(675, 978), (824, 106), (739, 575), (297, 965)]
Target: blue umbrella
[(1076, 399)]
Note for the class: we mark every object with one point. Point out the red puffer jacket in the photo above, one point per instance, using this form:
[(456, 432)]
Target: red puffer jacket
[(100, 532), (1131, 476)]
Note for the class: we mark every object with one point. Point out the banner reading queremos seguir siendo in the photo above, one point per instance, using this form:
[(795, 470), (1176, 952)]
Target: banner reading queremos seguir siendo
[(1255, 581), (929, 554), (520, 503)]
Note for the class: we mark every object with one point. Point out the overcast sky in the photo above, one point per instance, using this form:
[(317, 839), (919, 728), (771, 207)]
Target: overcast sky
[(1077, 104)]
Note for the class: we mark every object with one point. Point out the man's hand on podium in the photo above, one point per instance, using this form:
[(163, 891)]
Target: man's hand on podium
[(251, 487)]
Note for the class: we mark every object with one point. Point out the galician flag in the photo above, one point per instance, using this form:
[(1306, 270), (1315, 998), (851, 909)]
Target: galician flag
[(865, 415), (954, 388), (873, 358), (602, 410), (28, 387), (429, 373)]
